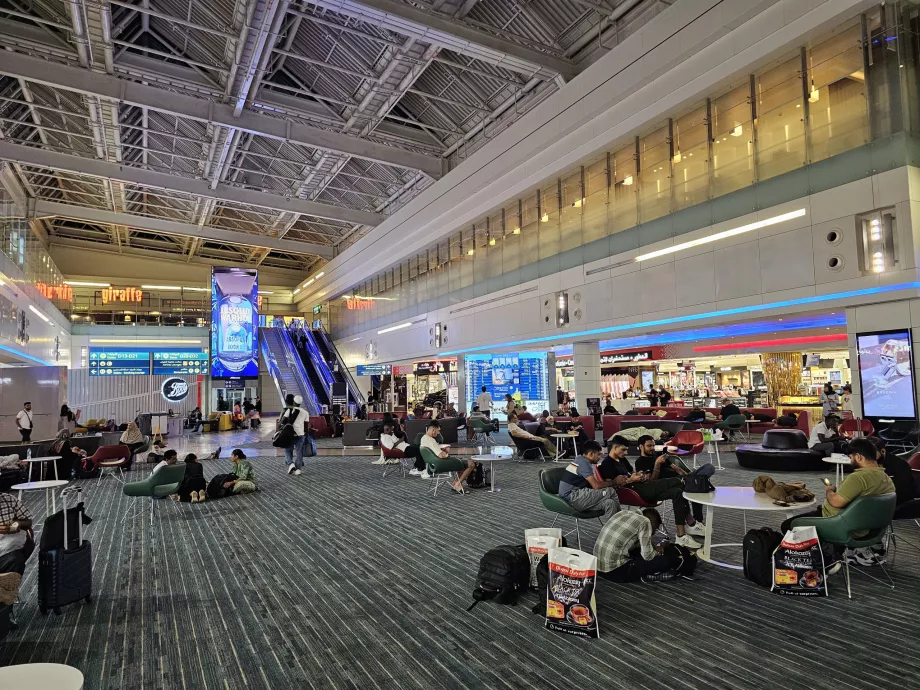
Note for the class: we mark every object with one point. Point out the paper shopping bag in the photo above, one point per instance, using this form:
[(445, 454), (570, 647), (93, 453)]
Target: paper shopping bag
[(570, 603), (798, 564), (539, 541)]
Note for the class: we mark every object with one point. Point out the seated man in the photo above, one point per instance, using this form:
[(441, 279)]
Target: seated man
[(15, 521), (430, 441), (483, 418), (824, 436), (617, 469), (728, 409), (390, 441), (547, 425), (170, 457), (664, 466), (868, 479), (525, 416), (527, 440), (581, 488), (625, 552)]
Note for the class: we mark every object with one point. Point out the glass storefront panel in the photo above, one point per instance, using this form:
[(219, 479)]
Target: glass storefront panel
[(732, 141), (654, 175), (780, 118), (690, 162)]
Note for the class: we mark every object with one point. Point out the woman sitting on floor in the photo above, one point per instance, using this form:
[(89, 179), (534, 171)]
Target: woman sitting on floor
[(245, 481), (193, 485)]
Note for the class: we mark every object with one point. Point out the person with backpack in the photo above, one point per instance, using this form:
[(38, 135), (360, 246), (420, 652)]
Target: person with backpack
[(581, 488), (295, 415), (625, 552)]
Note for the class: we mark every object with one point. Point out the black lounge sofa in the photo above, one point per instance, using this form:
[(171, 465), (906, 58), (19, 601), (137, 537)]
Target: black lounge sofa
[(782, 450)]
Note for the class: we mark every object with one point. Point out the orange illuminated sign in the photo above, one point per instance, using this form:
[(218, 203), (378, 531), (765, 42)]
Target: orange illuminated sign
[(357, 304), (122, 295), (62, 292)]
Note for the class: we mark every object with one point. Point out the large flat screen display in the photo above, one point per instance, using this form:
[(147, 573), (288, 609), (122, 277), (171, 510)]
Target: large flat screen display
[(234, 322), (523, 375), (886, 374)]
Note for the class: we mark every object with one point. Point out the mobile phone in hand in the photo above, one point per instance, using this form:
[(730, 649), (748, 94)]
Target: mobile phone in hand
[(827, 482)]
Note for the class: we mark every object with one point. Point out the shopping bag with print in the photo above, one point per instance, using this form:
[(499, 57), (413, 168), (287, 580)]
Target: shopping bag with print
[(539, 541), (798, 564), (570, 603)]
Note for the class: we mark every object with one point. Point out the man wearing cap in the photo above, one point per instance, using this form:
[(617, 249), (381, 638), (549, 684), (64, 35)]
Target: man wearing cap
[(297, 416)]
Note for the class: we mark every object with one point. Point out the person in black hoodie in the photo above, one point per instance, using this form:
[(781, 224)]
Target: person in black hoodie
[(193, 484)]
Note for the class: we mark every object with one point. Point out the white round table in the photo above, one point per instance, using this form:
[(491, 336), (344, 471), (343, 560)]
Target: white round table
[(713, 443), (491, 458), (840, 461), (48, 486), (559, 437), (47, 458), (41, 677), (741, 498)]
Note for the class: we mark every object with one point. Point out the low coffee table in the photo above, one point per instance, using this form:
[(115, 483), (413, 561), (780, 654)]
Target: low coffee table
[(491, 458), (841, 461), (48, 486), (559, 437)]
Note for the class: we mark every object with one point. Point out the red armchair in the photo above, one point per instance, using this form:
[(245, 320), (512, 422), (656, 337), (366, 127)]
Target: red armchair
[(686, 442), (320, 427), (111, 458), (849, 427), (394, 454), (628, 497), (914, 462)]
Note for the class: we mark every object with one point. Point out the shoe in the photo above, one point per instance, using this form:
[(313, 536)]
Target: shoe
[(859, 557), (415, 473), (658, 577), (379, 461), (688, 542), (696, 530), (9, 588), (392, 461), (425, 475), (216, 454), (297, 473), (291, 468), (834, 569)]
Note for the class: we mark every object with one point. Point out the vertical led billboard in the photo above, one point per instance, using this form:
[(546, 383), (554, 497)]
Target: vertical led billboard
[(886, 374), (234, 322)]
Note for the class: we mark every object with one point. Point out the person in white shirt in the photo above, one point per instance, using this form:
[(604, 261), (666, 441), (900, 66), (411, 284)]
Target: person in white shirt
[(297, 416), (824, 436), (24, 422), (390, 441), (484, 400), (527, 440), (430, 441), (170, 457), (15, 521)]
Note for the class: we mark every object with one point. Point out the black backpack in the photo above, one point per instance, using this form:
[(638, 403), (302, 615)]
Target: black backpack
[(479, 478), (216, 485), (758, 547), (504, 572)]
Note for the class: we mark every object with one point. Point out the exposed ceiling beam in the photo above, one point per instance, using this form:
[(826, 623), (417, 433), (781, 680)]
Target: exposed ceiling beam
[(28, 155), (171, 227), (180, 105), (445, 32)]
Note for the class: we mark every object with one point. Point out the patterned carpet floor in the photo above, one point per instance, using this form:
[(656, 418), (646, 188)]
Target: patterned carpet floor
[(341, 579)]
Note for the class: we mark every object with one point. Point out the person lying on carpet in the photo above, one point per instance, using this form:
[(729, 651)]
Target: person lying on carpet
[(193, 485)]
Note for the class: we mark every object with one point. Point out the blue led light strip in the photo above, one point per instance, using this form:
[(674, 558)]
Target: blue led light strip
[(23, 354), (817, 299)]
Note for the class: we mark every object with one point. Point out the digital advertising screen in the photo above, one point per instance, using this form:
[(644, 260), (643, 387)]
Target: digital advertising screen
[(886, 374), (234, 322), (523, 375)]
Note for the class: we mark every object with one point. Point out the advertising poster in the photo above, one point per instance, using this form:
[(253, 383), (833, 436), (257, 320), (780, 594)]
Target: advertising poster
[(886, 374), (234, 322)]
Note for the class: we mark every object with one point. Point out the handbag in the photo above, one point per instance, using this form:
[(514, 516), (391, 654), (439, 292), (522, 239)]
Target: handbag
[(284, 437), (697, 482)]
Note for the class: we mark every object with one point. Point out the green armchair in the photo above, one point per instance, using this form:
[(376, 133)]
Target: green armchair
[(732, 423), (869, 514), (441, 469), (549, 496), (482, 429), (156, 485)]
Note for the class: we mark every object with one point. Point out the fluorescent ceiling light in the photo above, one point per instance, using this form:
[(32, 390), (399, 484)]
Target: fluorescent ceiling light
[(266, 292), (86, 284), (42, 316), (175, 287), (320, 274), (296, 291), (722, 235), (394, 328)]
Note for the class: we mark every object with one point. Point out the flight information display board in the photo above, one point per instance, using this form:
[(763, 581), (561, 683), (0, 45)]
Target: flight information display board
[(523, 375), (127, 361), (118, 362), (183, 362)]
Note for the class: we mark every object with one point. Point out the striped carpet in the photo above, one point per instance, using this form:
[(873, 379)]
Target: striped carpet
[(341, 579)]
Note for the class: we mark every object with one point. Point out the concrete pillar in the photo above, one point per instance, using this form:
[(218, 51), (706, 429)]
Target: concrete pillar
[(885, 316), (587, 357)]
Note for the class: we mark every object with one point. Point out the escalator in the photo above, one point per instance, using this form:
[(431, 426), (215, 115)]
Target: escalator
[(286, 368), (313, 365), (340, 372)]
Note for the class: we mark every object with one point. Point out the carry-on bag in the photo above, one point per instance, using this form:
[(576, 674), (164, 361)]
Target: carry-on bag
[(65, 574)]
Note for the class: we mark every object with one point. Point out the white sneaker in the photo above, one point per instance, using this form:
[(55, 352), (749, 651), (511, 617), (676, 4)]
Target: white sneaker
[(689, 542), (392, 461), (425, 475), (297, 473), (696, 530), (291, 468), (379, 461), (414, 472)]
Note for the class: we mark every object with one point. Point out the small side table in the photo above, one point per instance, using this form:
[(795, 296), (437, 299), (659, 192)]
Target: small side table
[(41, 677), (47, 458), (491, 458), (559, 437), (49, 486)]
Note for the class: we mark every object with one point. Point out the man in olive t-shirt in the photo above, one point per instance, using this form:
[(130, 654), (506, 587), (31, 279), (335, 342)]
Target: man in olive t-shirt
[(868, 479)]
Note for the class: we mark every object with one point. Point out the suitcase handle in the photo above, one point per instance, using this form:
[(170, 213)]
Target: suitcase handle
[(78, 490)]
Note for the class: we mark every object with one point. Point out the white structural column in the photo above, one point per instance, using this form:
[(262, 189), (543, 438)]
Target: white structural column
[(587, 358), (885, 316)]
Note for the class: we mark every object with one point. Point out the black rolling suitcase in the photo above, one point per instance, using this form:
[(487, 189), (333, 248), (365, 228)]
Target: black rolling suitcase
[(65, 574)]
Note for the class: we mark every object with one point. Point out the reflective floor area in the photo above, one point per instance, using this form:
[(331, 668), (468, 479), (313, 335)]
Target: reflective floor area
[(341, 579)]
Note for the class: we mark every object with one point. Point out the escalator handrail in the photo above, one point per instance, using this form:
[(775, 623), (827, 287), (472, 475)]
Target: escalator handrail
[(352, 385), (273, 370), (317, 357), (290, 353)]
